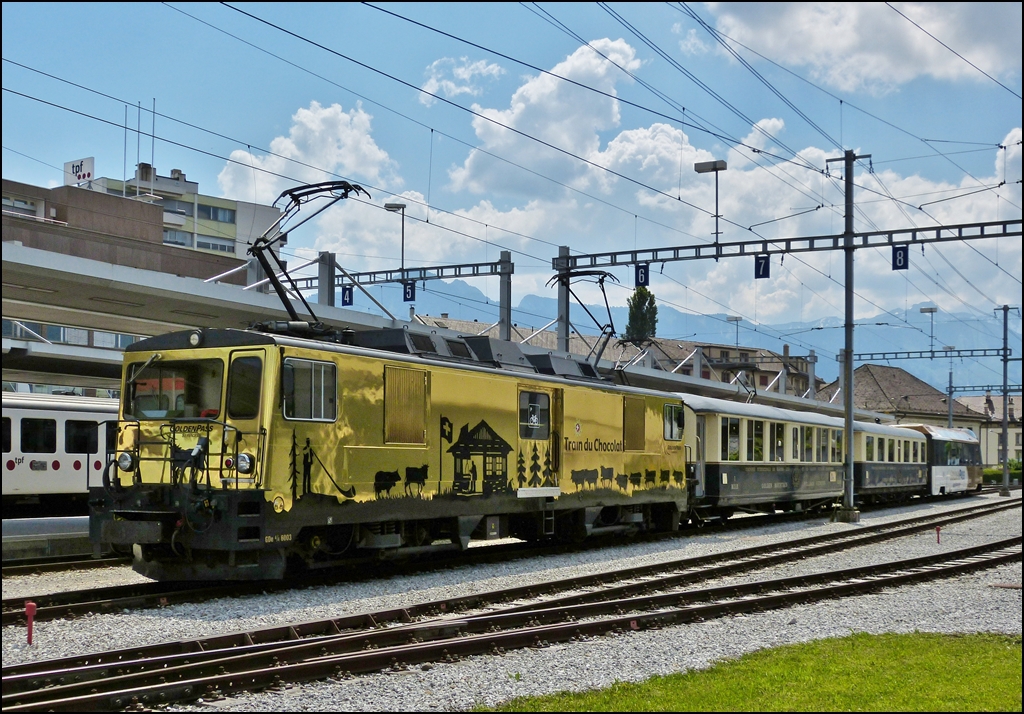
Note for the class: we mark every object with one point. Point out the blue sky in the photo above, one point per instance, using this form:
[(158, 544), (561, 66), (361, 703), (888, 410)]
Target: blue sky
[(595, 170)]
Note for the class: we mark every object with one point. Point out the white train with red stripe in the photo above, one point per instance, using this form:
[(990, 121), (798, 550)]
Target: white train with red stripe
[(53, 451)]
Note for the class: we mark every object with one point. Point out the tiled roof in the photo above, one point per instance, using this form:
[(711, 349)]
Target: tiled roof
[(891, 390), (992, 406)]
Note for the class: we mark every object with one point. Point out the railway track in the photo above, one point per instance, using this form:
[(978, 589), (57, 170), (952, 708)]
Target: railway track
[(161, 594), (630, 599), (36, 566)]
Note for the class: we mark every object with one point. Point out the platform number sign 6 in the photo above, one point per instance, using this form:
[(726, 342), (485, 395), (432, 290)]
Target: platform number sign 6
[(900, 257), (409, 291), (643, 275), (346, 295), (762, 267)]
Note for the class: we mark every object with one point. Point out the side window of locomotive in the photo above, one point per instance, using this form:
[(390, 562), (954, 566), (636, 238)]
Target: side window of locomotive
[(673, 422), (244, 381), (534, 415), (39, 436), (81, 437), (310, 390), (730, 439), (7, 435)]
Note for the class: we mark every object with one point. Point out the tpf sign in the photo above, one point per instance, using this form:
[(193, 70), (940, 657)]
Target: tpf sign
[(76, 172)]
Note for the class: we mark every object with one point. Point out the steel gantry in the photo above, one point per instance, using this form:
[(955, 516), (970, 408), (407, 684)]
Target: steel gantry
[(565, 265)]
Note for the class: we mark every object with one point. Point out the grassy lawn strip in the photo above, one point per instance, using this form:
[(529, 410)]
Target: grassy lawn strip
[(910, 672)]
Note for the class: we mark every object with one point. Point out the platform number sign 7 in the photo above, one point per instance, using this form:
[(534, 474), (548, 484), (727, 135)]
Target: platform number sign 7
[(346, 295), (409, 291), (900, 257), (762, 267), (643, 275)]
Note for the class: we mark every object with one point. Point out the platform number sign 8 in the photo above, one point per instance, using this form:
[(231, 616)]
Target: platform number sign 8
[(762, 267), (900, 257), (409, 291), (346, 295), (643, 275)]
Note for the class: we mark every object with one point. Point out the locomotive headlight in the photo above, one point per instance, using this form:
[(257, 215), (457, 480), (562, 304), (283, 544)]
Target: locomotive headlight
[(195, 338), (126, 461), (245, 463)]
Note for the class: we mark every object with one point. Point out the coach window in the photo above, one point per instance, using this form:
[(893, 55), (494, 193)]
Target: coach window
[(310, 390), (730, 439), (81, 437), (808, 439), (841, 455), (7, 435), (39, 436), (755, 440), (796, 443), (777, 444), (869, 448), (244, 381), (892, 450), (822, 445), (906, 451), (534, 415), (673, 422), (915, 452)]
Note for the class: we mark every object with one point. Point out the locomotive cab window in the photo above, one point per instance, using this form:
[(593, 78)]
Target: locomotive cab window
[(309, 390), (534, 415), (81, 437), (39, 436), (673, 422), (164, 390)]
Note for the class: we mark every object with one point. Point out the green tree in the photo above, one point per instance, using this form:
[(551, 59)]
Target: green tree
[(643, 316)]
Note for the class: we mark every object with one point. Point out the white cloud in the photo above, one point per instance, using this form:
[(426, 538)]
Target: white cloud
[(869, 47), (463, 75), (322, 141)]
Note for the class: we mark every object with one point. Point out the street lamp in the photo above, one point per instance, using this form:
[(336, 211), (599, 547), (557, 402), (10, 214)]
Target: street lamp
[(737, 319), (706, 167), (931, 342), (395, 208)]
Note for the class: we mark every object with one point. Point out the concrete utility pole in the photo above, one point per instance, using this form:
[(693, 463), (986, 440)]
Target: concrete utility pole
[(848, 513), (563, 304), (1005, 490)]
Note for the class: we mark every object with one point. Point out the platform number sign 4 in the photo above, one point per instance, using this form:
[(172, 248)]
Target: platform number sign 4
[(900, 257), (643, 275), (762, 267), (409, 291), (346, 295)]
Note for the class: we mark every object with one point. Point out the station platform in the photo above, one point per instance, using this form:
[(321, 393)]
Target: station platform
[(45, 537)]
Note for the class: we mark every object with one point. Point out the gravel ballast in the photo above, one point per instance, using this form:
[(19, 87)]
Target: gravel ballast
[(969, 603)]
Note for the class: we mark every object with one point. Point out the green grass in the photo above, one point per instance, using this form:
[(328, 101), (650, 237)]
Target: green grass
[(911, 672)]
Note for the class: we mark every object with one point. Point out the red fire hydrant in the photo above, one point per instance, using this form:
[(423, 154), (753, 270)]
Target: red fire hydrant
[(30, 615)]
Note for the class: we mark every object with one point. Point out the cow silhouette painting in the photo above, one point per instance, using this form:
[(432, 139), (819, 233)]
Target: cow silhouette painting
[(415, 476), (481, 443)]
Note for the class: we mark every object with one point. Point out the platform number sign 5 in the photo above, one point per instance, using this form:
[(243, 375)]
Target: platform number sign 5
[(409, 291), (900, 257), (762, 267), (346, 295), (643, 275)]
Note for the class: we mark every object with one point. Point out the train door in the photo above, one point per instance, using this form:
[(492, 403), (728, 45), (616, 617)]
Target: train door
[(538, 458), (698, 490), (243, 411)]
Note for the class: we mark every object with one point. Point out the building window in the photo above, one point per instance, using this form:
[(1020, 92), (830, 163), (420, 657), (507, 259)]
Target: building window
[(180, 208), (763, 380), (213, 213), (172, 237), (19, 205), (223, 245)]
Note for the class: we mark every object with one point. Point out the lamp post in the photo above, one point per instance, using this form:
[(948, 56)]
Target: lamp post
[(737, 319), (931, 340), (395, 208), (716, 167)]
